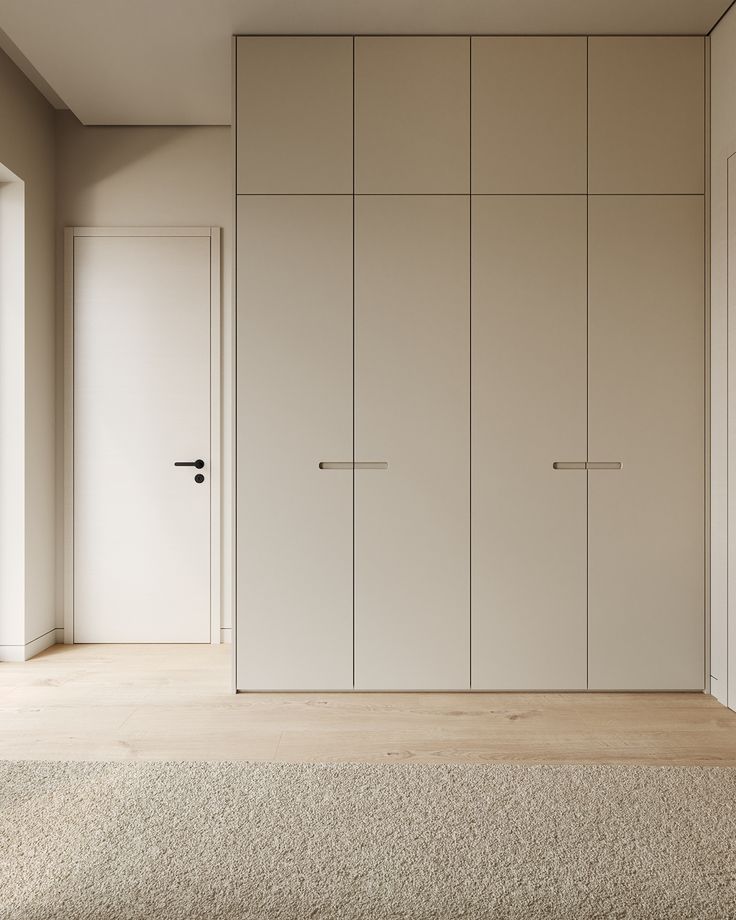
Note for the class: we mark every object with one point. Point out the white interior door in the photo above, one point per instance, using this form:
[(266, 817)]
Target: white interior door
[(141, 335)]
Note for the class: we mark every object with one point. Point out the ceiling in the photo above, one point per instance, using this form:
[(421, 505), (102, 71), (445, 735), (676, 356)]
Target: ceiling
[(168, 61)]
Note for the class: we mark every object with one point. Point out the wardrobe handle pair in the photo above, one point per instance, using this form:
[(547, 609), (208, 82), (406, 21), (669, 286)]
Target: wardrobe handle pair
[(592, 465), (349, 465)]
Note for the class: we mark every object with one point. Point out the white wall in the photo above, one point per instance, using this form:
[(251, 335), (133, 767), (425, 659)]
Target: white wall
[(723, 357), (12, 415), (145, 176), (27, 149)]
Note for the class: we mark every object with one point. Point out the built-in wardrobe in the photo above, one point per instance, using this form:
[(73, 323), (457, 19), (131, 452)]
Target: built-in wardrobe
[(470, 363)]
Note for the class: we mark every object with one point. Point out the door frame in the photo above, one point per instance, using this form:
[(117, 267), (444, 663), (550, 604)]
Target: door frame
[(216, 478)]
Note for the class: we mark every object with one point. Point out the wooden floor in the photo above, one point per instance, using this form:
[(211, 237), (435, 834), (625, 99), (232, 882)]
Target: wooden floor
[(119, 702)]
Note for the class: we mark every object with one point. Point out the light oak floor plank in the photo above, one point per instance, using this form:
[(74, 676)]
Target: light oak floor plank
[(156, 702)]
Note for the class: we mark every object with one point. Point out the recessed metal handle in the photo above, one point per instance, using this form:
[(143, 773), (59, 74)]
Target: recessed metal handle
[(587, 465), (198, 464), (349, 465)]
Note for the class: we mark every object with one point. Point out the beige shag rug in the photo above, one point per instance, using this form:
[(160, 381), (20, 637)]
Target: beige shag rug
[(228, 841)]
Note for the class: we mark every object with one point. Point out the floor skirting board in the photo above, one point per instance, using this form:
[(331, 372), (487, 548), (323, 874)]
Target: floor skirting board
[(29, 649)]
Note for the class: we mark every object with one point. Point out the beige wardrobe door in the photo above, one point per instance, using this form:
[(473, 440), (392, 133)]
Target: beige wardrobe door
[(412, 115), (294, 114), (646, 115), (529, 114), (529, 411), (646, 550), (411, 413), (294, 408)]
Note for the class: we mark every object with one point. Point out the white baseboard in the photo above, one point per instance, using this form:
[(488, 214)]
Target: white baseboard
[(24, 652), (56, 637), (717, 690)]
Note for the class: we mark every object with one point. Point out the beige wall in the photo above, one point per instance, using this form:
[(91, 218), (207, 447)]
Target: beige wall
[(145, 176), (27, 149), (723, 457)]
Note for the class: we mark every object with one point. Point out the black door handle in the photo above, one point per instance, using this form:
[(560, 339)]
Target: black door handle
[(199, 464)]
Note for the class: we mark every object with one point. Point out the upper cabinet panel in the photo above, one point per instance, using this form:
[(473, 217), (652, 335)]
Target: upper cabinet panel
[(295, 115), (412, 115), (645, 105), (529, 118)]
